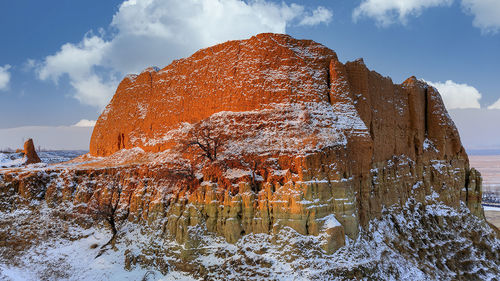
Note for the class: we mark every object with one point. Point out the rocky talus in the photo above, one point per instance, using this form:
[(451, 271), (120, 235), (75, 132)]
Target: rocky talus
[(298, 141)]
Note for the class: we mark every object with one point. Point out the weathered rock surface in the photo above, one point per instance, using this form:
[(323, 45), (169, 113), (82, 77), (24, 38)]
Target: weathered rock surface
[(30, 152), (306, 142)]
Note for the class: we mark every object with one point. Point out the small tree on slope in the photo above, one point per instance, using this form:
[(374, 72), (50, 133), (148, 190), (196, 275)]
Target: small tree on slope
[(204, 138), (107, 210)]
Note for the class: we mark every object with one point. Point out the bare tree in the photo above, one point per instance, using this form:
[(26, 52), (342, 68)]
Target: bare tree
[(203, 136), (107, 211)]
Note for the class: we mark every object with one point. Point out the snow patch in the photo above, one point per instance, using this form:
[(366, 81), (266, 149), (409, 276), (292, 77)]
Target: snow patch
[(330, 222)]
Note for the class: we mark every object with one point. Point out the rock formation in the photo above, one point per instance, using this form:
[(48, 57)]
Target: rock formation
[(296, 139), (30, 152), (340, 130)]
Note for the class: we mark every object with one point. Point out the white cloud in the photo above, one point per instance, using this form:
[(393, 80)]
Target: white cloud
[(320, 15), (457, 96), (386, 12), (154, 32), (80, 62), (495, 105), (85, 123), (486, 14), (29, 65), (4, 76), (75, 60), (93, 90)]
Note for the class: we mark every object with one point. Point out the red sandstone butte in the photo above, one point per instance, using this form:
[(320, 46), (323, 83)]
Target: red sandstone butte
[(307, 142), (334, 130)]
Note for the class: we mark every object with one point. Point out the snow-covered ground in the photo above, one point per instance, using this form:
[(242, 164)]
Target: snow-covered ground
[(50, 157), (43, 246), (493, 209), (58, 156), (10, 160), (492, 215), (402, 245), (433, 242)]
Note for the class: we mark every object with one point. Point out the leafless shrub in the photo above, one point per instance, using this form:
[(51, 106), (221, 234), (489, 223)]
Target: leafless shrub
[(205, 139), (106, 210)]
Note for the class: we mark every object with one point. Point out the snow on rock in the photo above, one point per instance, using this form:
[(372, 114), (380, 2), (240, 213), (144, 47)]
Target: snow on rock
[(330, 221), (237, 173)]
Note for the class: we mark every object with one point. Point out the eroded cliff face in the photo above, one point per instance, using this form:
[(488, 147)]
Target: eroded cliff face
[(306, 142), (235, 76)]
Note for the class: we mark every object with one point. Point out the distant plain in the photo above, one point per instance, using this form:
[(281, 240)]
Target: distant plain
[(489, 166)]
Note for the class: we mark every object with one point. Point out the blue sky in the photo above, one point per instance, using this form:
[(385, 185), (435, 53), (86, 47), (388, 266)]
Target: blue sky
[(61, 60)]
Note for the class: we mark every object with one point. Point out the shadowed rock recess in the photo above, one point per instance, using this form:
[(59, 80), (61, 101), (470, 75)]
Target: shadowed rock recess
[(303, 142)]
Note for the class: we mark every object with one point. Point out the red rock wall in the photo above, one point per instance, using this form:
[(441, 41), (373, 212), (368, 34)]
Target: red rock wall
[(272, 69), (234, 76)]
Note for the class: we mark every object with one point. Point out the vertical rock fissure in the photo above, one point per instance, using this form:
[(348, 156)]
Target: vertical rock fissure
[(129, 202), (307, 222), (426, 112), (328, 85), (119, 141), (467, 183), (372, 134)]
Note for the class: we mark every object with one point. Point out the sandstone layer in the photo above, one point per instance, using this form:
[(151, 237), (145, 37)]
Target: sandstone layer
[(304, 141)]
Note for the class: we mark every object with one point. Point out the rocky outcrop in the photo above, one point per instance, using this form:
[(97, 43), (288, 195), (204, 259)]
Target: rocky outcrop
[(303, 142), (30, 153)]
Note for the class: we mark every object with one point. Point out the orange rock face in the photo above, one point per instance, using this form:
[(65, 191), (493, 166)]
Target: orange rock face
[(235, 76), (274, 72)]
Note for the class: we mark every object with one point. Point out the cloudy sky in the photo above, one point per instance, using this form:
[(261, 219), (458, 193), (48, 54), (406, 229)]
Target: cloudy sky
[(61, 60)]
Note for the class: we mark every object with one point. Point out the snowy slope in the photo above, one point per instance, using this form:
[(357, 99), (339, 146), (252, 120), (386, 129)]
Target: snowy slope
[(399, 246)]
